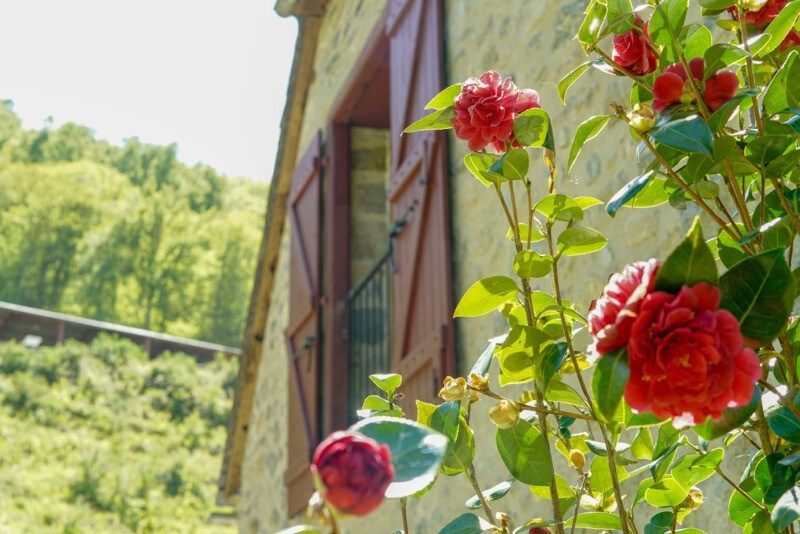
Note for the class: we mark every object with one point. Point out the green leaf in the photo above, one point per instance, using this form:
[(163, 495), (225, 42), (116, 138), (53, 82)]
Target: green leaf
[(387, 383), (596, 521), (587, 202), (697, 42), (787, 509), (693, 468), (558, 391), (559, 207), (550, 363), (492, 494), (722, 55), (438, 120), (740, 509), (780, 27), (485, 296), (447, 419), (642, 445), (577, 240), (630, 190), (467, 524), (588, 130), (530, 264), (589, 30), (478, 163), (600, 481), (763, 150), (667, 21), (532, 129), (691, 262), (689, 134), (445, 98), (375, 403), (659, 468), (481, 366), (566, 495), (416, 451), (567, 81), (633, 420), (785, 424), (783, 91), (525, 233), (525, 453), (760, 292), (731, 418), (717, 120), (667, 493), (515, 164), (609, 381), (717, 4)]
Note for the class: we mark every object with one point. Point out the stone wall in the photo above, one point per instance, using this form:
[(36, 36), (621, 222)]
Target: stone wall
[(531, 41)]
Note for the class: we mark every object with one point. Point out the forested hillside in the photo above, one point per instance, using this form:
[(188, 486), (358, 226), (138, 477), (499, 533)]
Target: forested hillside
[(100, 439), (124, 234)]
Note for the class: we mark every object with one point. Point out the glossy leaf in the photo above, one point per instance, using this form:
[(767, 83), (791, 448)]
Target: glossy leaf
[(387, 383), (445, 98), (559, 207), (578, 240), (780, 27), (689, 134), (721, 56), (588, 130), (530, 264), (608, 382), (467, 524), (417, 451), (783, 91), (787, 509), (667, 21), (567, 81), (478, 163), (667, 493), (630, 190), (525, 453), (551, 359), (760, 292), (483, 363), (492, 494), (486, 295), (717, 120), (532, 129), (595, 521), (438, 120), (785, 424), (691, 262)]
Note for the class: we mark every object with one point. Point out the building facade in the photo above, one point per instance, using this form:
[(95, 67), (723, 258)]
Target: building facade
[(371, 236)]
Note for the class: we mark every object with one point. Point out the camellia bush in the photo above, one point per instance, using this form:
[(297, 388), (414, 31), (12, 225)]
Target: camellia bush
[(687, 353)]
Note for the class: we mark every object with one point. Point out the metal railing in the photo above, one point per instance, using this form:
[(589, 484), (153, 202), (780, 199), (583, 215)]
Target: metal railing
[(369, 332)]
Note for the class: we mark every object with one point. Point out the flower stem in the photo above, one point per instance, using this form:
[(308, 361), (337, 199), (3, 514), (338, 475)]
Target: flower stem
[(403, 506), (473, 480), (751, 78), (613, 64), (537, 409)]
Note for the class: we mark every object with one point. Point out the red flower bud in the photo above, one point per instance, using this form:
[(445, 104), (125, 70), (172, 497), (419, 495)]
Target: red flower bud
[(354, 472)]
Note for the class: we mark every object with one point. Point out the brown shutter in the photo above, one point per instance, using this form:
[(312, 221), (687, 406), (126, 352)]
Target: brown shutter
[(303, 333), (423, 349)]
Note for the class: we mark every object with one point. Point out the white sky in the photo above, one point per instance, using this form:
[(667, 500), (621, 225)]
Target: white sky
[(210, 75)]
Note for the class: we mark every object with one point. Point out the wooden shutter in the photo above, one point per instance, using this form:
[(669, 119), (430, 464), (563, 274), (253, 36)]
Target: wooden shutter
[(303, 333), (423, 349)]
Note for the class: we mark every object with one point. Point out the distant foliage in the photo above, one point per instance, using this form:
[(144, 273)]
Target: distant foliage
[(124, 234), (97, 438)]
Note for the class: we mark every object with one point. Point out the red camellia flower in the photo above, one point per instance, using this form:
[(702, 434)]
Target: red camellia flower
[(486, 108), (354, 472), (632, 50), (792, 40), (613, 314), (540, 530), (763, 16), (687, 358), (673, 86)]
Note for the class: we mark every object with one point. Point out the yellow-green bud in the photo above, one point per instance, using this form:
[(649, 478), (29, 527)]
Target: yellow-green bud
[(577, 459), (455, 389), (693, 500), (479, 382), (642, 118), (504, 414)]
